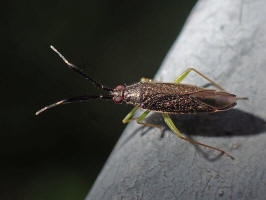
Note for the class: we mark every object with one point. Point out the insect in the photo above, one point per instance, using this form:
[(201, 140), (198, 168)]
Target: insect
[(165, 98)]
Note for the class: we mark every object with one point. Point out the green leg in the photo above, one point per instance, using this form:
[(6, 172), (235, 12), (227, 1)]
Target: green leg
[(129, 115), (185, 73), (142, 116), (129, 118), (171, 125)]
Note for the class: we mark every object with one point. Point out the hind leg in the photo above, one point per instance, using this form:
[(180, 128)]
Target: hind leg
[(171, 125), (186, 72)]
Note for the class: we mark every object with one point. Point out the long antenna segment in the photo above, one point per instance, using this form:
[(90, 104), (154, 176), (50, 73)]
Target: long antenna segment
[(80, 71)]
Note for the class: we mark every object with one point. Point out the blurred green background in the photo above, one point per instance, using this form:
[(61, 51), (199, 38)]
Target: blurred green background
[(59, 154)]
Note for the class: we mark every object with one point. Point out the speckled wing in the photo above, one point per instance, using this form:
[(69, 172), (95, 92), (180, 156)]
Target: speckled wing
[(173, 104), (177, 98)]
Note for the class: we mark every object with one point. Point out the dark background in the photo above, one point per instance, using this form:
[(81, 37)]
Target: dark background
[(59, 154)]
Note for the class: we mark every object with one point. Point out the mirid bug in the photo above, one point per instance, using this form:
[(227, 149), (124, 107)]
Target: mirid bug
[(165, 98)]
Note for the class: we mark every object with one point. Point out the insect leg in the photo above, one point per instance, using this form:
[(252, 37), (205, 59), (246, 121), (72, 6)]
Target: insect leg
[(185, 73), (129, 115), (140, 118), (171, 125)]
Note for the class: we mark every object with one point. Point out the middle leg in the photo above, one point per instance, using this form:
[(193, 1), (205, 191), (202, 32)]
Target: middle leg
[(140, 118)]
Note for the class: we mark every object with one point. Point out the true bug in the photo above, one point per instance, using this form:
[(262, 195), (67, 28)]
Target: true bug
[(165, 98)]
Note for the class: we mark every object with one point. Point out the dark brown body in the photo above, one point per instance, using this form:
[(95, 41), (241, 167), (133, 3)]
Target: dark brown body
[(177, 98)]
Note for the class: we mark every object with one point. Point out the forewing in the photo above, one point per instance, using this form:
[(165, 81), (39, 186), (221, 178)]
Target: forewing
[(175, 104)]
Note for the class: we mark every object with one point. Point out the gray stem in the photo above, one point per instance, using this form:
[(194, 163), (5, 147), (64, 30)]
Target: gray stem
[(226, 41)]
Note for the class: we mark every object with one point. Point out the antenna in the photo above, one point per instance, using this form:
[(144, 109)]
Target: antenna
[(80, 71), (73, 100)]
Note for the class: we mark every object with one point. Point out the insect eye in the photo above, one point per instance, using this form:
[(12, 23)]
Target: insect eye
[(118, 99)]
